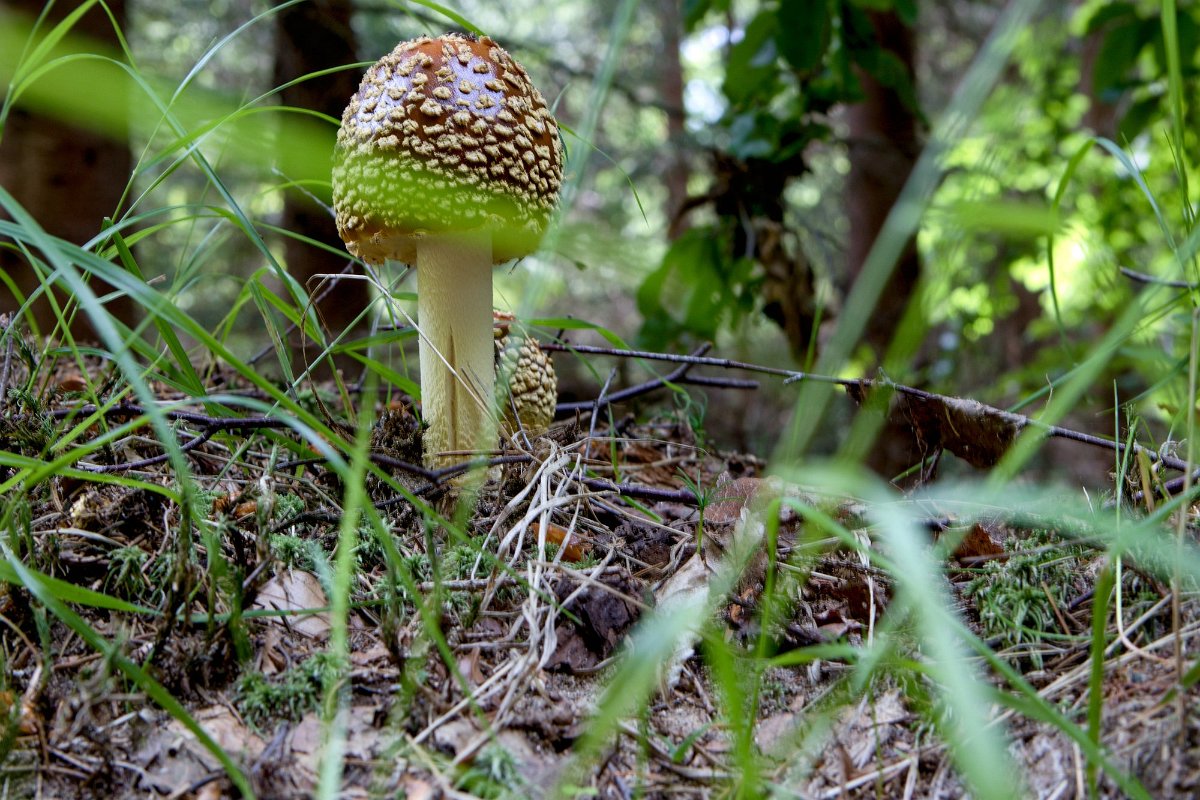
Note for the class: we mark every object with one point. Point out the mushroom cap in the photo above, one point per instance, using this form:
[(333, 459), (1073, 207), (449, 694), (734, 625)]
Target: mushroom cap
[(445, 135), (532, 383)]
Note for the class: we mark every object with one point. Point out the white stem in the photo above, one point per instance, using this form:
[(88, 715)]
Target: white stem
[(454, 312)]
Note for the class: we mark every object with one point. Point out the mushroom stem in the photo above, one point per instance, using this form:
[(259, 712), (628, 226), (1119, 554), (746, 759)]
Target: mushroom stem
[(454, 312)]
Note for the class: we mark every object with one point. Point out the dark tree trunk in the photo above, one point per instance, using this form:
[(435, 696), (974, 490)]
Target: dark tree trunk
[(315, 36), (883, 149), (670, 81), (68, 178), (1102, 116)]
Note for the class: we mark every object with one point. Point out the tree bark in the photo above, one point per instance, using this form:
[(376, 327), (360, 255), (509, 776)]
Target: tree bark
[(670, 82), (67, 177), (883, 149), (311, 37)]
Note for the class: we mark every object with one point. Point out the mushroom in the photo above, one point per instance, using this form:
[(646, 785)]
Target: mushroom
[(448, 159), (529, 391)]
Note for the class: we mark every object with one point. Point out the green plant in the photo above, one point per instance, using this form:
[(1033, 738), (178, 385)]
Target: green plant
[(125, 571), (1020, 597), (492, 774), (264, 701), (704, 498), (298, 553)]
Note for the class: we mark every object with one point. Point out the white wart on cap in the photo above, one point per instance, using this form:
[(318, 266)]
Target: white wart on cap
[(445, 134)]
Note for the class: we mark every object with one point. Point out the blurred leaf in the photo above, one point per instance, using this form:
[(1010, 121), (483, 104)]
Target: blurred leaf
[(686, 292), (1108, 12), (752, 135), (907, 10), (1187, 33), (1117, 57), (803, 33), (572, 324), (1017, 220), (751, 73), (79, 595), (389, 375), (695, 10), (887, 68), (1139, 116)]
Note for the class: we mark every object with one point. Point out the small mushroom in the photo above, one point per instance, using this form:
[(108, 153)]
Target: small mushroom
[(448, 159), (528, 391)]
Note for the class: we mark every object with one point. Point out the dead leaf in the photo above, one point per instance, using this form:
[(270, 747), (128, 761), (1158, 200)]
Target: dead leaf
[(978, 434), (418, 788), (72, 383), (978, 545), (294, 590), (174, 759), (599, 618), (574, 552), (210, 791), (468, 667), (731, 497)]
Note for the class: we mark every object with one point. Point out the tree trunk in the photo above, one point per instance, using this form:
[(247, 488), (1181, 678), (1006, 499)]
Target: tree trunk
[(68, 178), (883, 149), (670, 82), (311, 37)]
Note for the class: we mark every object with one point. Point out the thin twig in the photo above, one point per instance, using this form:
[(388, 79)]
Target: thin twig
[(866, 384), (142, 463), (1142, 277), (9, 334)]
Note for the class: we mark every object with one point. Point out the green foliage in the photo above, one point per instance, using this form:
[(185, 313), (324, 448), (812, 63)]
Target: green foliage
[(125, 571), (794, 62), (492, 774), (298, 553), (696, 288), (263, 701), (1133, 59), (1017, 597)]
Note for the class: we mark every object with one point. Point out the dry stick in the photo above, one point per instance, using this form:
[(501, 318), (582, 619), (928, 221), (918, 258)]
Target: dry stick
[(9, 346), (210, 427), (435, 477), (679, 375), (1141, 277), (142, 463), (792, 376)]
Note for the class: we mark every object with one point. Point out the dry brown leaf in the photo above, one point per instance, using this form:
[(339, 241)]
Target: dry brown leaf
[(731, 497), (978, 434), (294, 590), (574, 552), (978, 545), (72, 383)]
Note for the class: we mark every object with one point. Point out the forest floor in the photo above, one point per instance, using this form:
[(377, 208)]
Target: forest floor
[(477, 662)]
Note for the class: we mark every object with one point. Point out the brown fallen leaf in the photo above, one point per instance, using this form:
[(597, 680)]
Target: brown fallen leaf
[(978, 545), (603, 616), (978, 434), (574, 552), (295, 590), (72, 383)]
